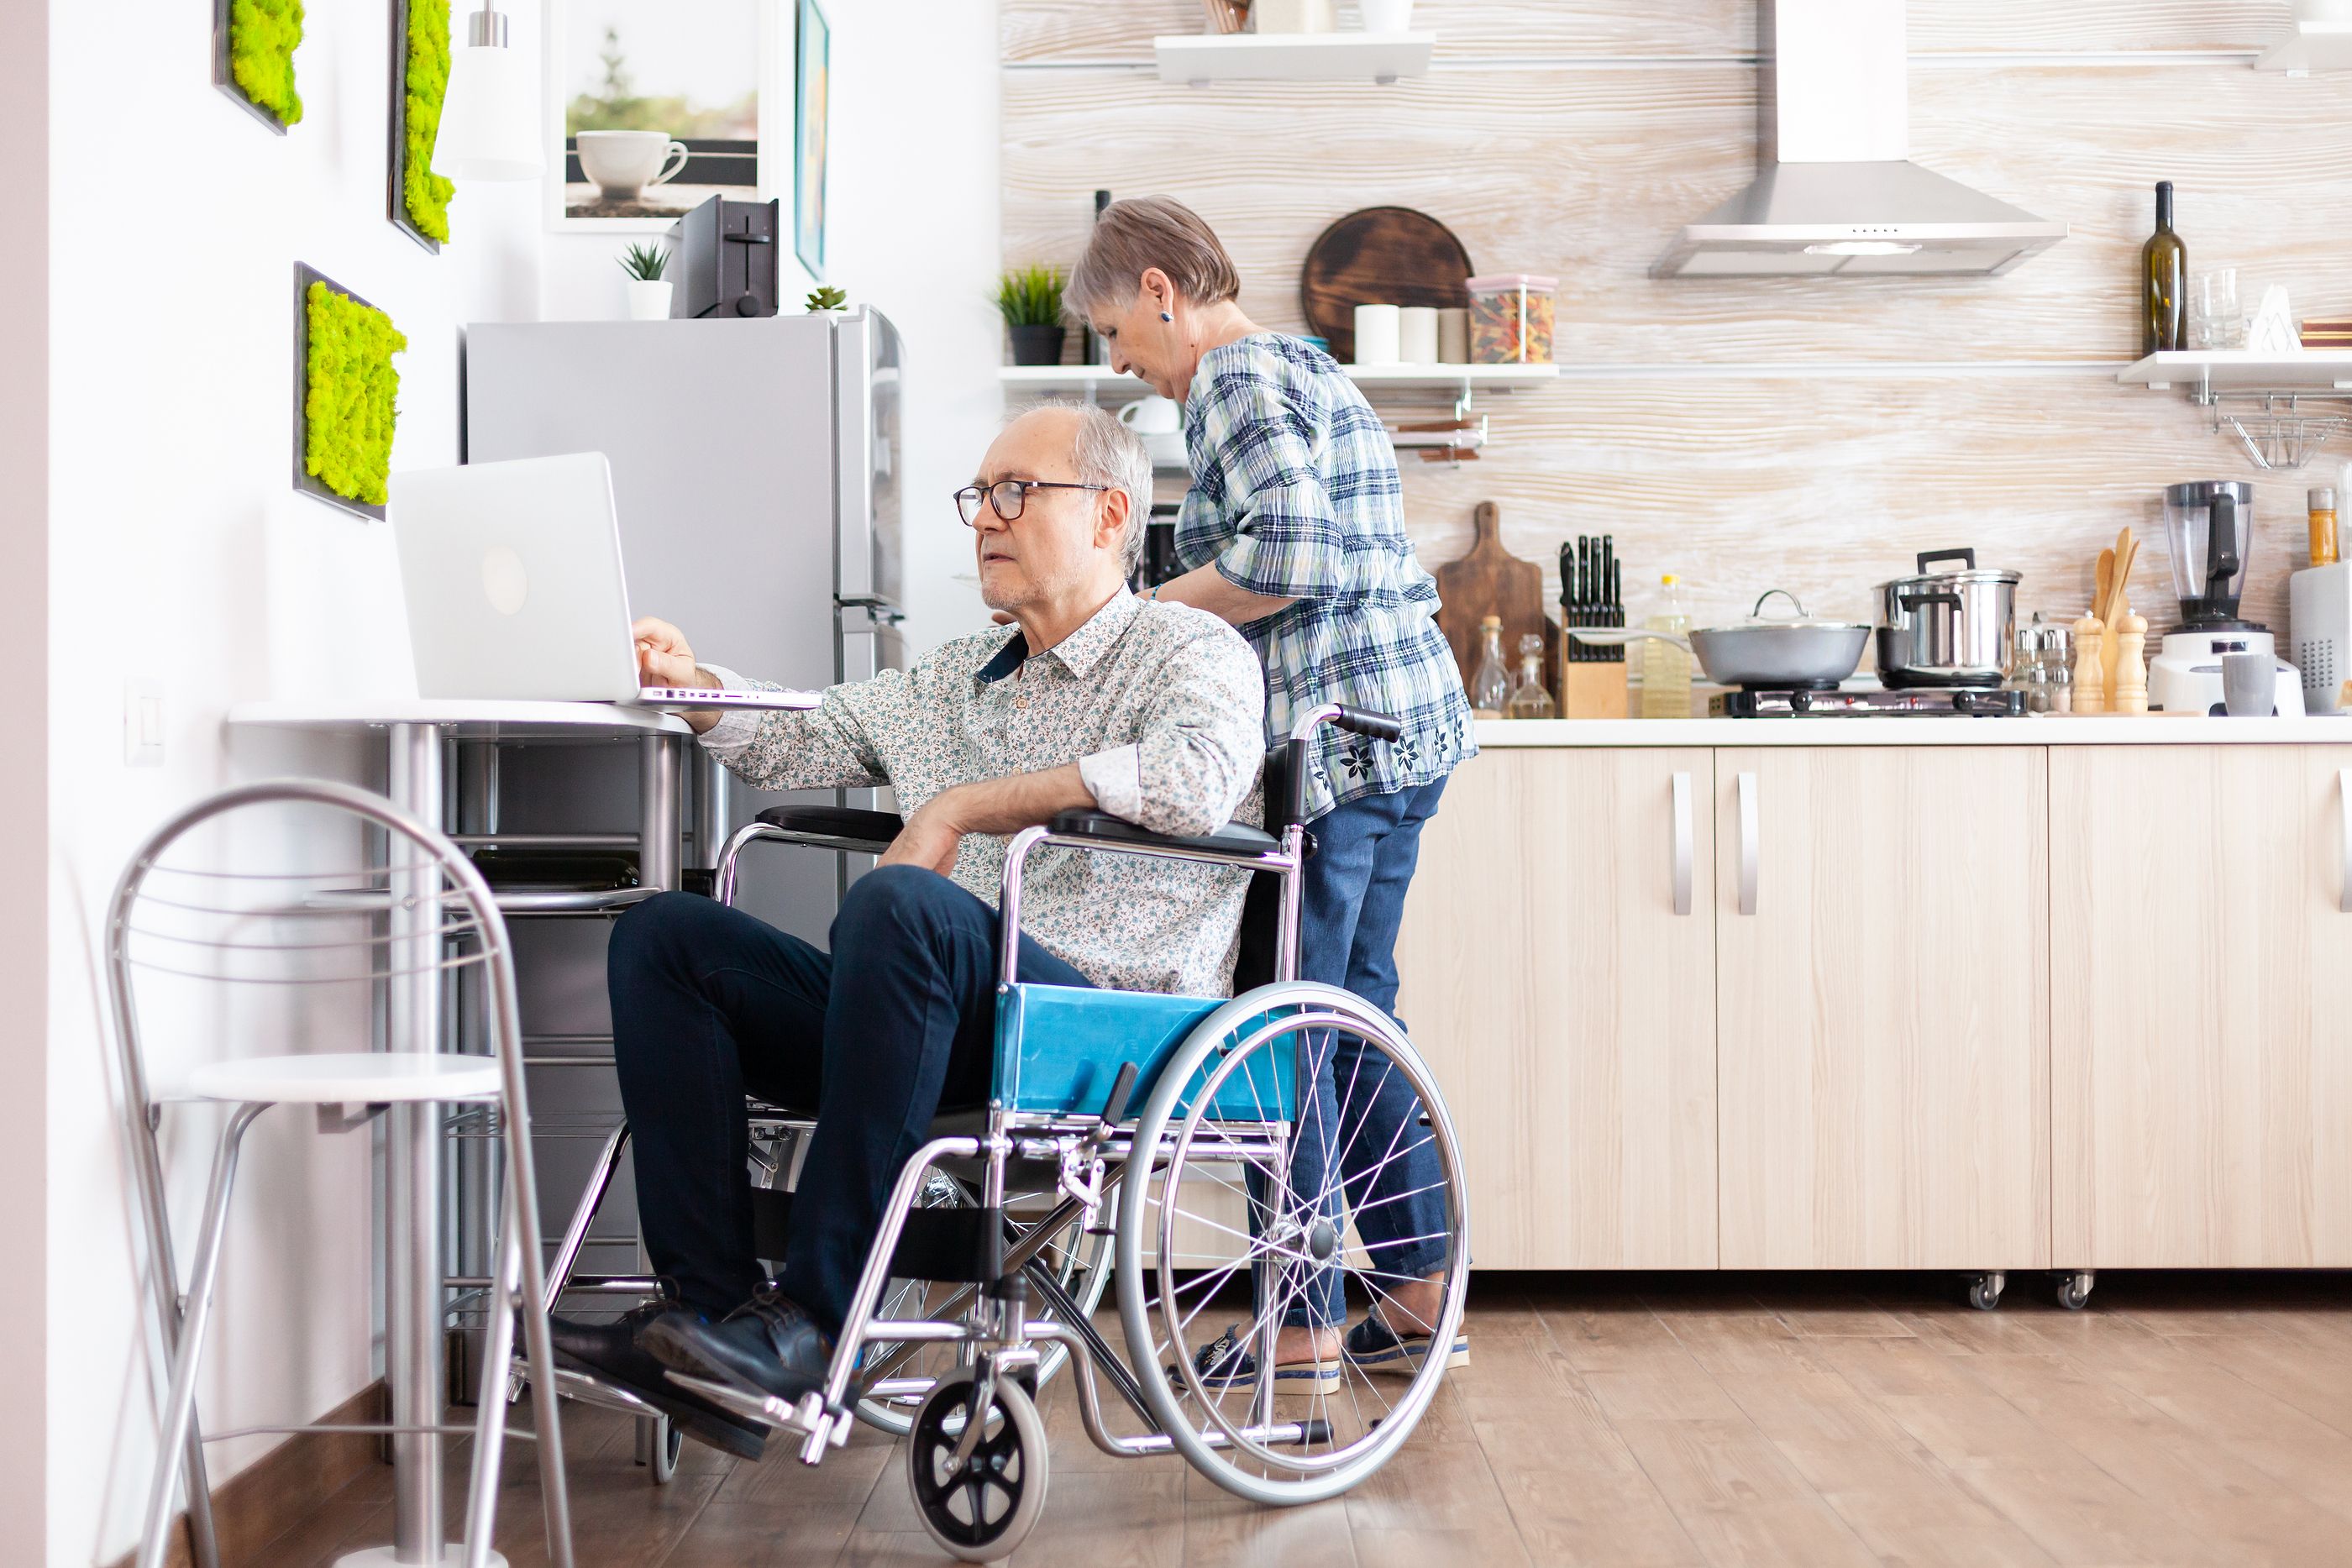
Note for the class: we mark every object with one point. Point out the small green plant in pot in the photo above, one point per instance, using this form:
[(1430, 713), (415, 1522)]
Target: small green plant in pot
[(1030, 299), (828, 297), (649, 291)]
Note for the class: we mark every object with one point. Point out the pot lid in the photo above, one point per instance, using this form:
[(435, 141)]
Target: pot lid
[(1968, 572), (1756, 618)]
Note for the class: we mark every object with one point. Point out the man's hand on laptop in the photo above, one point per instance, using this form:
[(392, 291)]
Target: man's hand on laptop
[(663, 659)]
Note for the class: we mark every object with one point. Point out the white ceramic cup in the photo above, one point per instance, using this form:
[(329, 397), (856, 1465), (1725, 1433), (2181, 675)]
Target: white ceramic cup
[(1386, 15), (622, 163), (1294, 16), (1453, 336), (1377, 326), (1153, 415), (1417, 334)]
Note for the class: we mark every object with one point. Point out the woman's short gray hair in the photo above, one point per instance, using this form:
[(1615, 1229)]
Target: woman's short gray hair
[(1144, 232), (1108, 454)]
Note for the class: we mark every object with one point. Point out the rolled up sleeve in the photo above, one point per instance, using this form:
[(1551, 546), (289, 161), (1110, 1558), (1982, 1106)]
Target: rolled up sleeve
[(826, 746), (1202, 739)]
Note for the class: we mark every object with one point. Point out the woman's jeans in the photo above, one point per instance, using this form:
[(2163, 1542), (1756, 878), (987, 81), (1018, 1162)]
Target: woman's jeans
[(1388, 1166)]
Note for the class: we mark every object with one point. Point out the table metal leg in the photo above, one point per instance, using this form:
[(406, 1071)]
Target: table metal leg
[(713, 821), (413, 1172), (657, 811)]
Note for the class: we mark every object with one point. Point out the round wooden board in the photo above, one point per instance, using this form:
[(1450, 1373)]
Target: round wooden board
[(1379, 255)]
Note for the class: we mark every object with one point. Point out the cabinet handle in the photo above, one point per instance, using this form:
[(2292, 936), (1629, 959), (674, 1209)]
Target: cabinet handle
[(2344, 804), (1751, 851), (1685, 832)]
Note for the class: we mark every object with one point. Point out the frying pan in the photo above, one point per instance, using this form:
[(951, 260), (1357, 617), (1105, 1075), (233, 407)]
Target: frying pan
[(1763, 651)]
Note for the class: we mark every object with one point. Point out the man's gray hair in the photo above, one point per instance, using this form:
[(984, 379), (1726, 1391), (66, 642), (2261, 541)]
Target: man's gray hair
[(1108, 454)]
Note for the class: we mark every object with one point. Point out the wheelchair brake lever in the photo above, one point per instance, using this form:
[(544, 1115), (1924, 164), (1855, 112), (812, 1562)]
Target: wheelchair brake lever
[(1114, 1111)]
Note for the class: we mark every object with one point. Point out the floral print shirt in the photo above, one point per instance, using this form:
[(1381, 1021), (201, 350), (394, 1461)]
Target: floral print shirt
[(1159, 706), (1296, 495)]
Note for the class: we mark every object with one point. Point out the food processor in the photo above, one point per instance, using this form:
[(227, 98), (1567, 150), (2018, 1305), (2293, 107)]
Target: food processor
[(2209, 525)]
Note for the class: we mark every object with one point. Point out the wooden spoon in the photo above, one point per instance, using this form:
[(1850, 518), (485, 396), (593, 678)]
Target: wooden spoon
[(2104, 583)]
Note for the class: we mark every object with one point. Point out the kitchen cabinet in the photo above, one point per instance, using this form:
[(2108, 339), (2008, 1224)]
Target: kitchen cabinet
[(1558, 960), (2201, 1003), (1882, 927)]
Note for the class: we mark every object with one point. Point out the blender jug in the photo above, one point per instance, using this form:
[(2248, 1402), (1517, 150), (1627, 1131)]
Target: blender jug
[(2209, 524)]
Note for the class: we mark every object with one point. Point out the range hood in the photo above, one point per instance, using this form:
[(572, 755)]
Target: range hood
[(1836, 193)]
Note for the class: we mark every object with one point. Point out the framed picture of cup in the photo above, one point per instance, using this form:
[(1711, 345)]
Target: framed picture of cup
[(812, 73), (653, 107)]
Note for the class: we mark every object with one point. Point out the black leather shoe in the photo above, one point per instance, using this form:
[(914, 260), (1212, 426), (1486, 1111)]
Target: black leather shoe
[(768, 1344), (614, 1354)]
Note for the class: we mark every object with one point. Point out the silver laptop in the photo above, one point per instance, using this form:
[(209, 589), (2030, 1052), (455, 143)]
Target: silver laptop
[(512, 573)]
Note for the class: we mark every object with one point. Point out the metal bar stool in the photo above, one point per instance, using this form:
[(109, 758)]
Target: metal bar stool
[(274, 938)]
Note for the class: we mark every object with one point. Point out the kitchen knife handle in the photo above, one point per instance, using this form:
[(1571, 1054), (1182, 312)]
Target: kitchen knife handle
[(1751, 851), (2344, 804), (1683, 833)]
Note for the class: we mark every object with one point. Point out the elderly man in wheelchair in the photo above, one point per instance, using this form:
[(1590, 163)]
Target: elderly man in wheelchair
[(953, 1078)]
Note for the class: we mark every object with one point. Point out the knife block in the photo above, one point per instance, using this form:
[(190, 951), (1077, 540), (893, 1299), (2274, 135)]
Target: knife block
[(1590, 690)]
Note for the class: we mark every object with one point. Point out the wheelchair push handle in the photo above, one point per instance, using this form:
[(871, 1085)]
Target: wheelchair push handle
[(1364, 721)]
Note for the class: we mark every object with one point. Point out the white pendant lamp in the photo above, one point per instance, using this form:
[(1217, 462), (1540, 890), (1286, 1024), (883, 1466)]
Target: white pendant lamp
[(489, 116)]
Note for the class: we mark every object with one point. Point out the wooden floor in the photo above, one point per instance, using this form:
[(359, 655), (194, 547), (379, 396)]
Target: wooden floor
[(1646, 1419)]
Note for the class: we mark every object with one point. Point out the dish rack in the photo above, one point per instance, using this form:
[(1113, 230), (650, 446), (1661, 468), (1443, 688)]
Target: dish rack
[(2279, 432), (2280, 411)]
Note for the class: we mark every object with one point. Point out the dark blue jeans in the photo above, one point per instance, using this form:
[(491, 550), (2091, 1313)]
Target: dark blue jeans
[(1356, 882), (709, 1002)]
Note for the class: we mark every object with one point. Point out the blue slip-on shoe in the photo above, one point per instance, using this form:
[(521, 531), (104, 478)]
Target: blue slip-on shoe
[(1373, 1346), (1226, 1363)]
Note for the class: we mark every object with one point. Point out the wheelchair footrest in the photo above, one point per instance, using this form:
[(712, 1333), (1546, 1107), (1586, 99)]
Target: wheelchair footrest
[(961, 1246)]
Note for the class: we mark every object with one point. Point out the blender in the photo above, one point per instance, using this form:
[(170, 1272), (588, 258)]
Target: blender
[(2209, 524)]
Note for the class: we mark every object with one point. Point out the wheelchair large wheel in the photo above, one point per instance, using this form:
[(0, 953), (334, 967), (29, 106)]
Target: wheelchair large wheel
[(1074, 1264), (1210, 1209), (980, 1508)]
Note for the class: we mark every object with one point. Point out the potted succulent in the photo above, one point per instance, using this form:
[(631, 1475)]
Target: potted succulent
[(648, 290), (828, 297), (1030, 299)]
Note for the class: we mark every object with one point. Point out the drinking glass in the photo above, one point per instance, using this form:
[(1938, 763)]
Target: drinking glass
[(2219, 324)]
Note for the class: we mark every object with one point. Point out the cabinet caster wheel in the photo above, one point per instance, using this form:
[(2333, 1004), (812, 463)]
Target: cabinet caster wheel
[(1984, 1291), (2075, 1290)]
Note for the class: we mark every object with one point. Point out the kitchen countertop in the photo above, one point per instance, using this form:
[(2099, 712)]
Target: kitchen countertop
[(1914, 730)]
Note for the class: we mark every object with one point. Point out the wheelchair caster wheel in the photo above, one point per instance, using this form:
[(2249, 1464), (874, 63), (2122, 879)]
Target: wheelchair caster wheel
[(982, 1508), (2075, 1290), (1984, 1291), (659, 1442)]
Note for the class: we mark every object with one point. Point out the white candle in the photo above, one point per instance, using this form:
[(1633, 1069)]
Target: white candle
[(1377, 327), (1417, 334)]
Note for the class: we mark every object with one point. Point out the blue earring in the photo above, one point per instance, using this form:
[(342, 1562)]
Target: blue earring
[(1165, 316)]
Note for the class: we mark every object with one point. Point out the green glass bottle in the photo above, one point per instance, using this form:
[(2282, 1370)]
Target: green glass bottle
[(2164, 282)]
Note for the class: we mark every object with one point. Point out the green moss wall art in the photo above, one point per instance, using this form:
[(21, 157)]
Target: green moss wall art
[(253, 56), (347, 393), (420, 198)]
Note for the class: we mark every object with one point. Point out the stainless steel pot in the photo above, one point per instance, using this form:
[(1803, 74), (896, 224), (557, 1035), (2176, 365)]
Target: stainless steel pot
[(1948, 628), (1765, 652)]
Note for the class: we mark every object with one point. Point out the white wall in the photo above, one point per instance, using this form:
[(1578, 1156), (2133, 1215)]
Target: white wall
[(180, 552)]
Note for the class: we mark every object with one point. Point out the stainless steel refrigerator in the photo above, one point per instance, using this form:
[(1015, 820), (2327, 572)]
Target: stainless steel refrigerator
[(756, 476)]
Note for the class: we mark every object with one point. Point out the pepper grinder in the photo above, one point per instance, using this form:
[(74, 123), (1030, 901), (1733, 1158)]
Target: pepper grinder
[(2131, 669), (2090, 675)]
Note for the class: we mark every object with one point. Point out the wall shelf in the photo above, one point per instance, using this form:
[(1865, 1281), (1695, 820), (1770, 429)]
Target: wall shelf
[(1098, 383), (2280, 410), (1201, 59), (2312, 46)]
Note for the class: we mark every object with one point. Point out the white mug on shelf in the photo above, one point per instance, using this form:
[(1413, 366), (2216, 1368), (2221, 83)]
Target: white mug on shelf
[(1294, 16), (1376, 334), (1386, 15), (1417, 334), (622, 163), (1152, 415)]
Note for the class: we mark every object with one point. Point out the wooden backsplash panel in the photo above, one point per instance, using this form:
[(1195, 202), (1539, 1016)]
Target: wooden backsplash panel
[(1698, 452), (1587, 175), (1091, 30)]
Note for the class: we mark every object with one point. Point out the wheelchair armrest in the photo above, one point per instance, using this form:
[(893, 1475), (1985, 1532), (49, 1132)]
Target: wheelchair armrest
[(1235, 840), (871, 831)]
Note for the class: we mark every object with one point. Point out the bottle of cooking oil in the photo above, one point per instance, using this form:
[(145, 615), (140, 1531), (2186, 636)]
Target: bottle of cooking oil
[(1490, 681), (1528, 698), (1666, 668)]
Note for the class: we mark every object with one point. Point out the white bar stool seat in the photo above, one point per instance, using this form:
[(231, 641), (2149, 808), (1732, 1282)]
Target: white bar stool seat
[(346, 1077)]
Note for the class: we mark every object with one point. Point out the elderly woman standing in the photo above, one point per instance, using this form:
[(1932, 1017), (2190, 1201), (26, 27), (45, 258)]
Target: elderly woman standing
[(1294, 532)]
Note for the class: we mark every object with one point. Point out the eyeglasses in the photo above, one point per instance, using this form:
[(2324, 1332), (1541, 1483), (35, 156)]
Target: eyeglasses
[(1009, 497)]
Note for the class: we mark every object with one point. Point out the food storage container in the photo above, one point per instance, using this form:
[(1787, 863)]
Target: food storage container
[(1511, 318)]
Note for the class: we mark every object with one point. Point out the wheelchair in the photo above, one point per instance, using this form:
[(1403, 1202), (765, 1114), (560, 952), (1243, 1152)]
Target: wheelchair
[(1135, 1139)]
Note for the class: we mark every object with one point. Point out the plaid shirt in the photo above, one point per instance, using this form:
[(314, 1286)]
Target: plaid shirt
[(1296, 495)]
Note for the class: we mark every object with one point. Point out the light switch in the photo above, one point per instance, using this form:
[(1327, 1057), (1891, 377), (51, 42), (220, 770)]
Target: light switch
[(143, 723)]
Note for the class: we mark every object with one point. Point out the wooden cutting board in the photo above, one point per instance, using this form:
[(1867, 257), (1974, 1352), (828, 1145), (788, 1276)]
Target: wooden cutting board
[(1489, 581), (1380, 255)]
